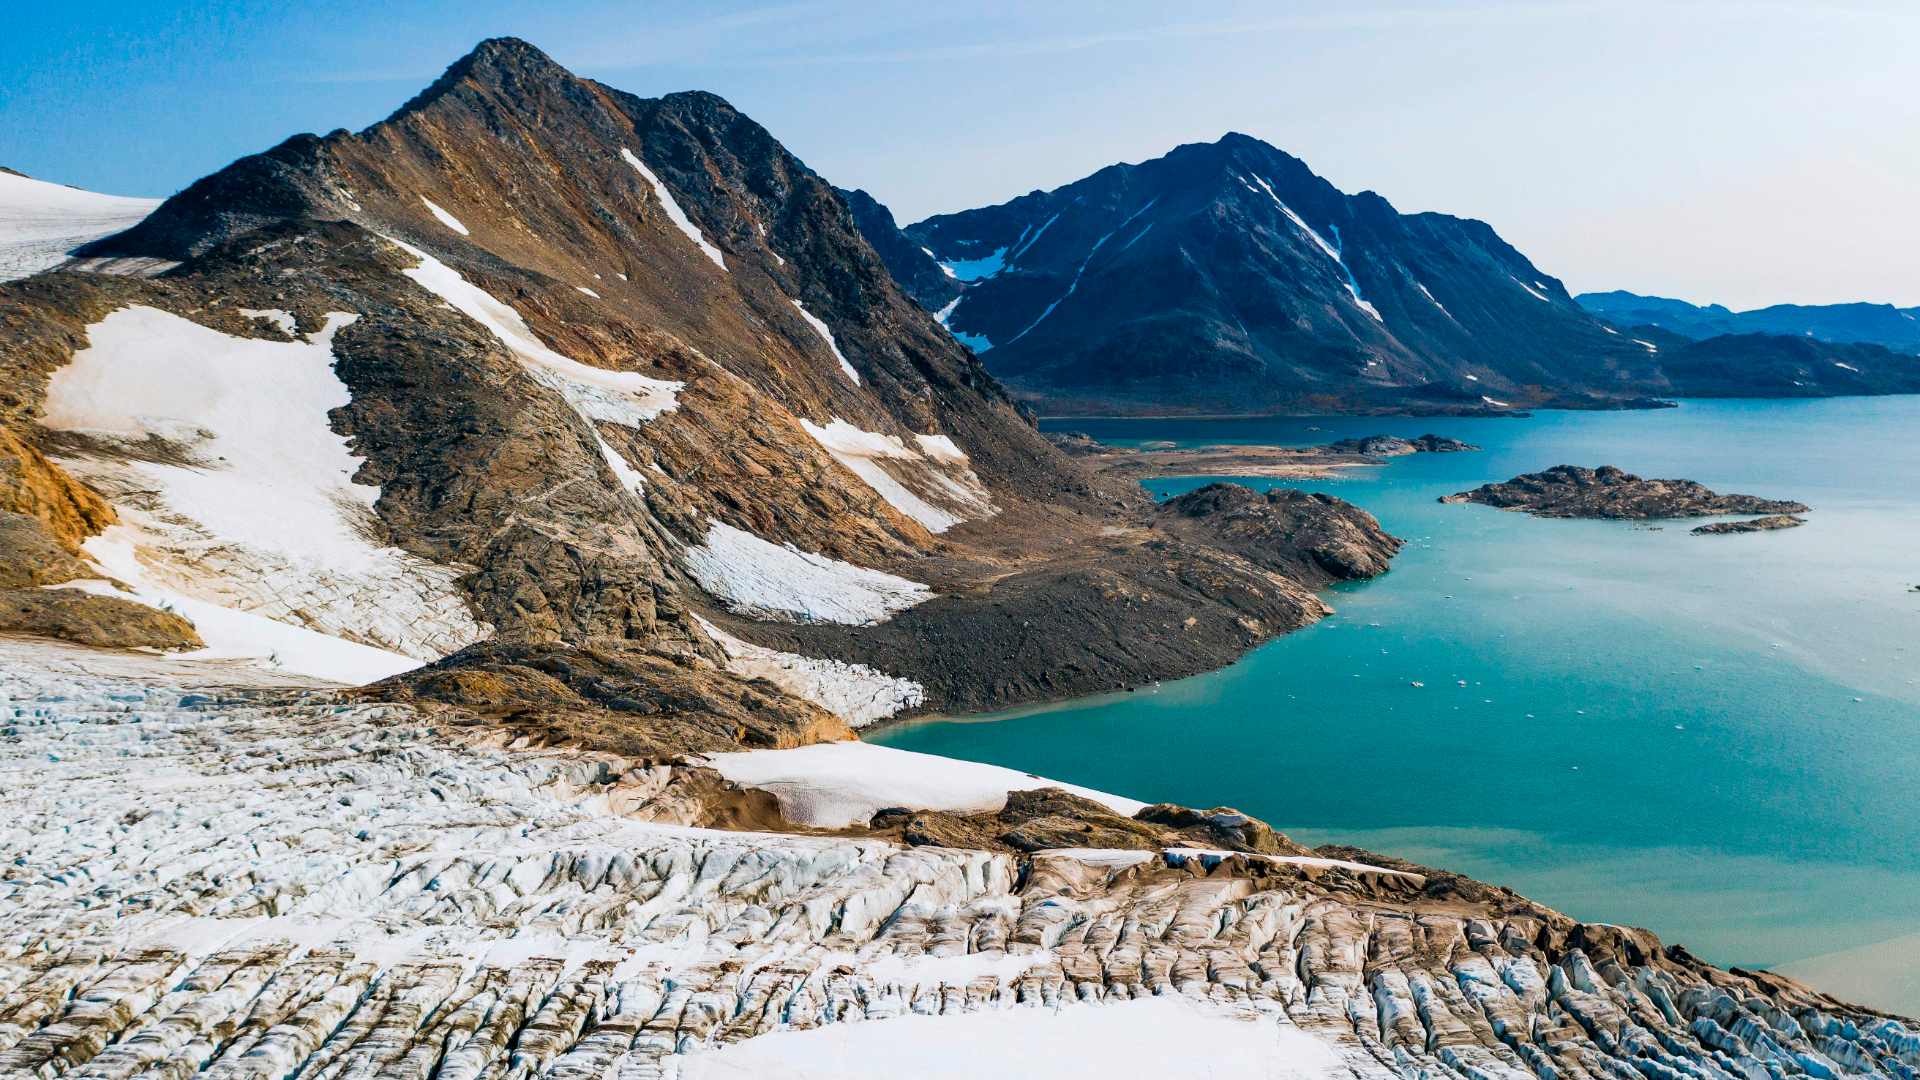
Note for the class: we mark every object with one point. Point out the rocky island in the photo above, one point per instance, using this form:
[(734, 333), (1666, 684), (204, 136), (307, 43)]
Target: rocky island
[(1279, 462), (1776, 521), (1569, 491)]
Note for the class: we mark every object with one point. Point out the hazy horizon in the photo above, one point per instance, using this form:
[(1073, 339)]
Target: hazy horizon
[(1720, 151)]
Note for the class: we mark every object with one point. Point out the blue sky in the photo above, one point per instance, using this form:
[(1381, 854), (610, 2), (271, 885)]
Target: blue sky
[(1728, 151)]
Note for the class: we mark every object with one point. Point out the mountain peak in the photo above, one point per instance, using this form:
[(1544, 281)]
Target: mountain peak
[(497, 63)]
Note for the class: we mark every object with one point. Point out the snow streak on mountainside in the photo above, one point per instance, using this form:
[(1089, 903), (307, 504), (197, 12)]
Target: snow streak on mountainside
[(1227, 277), (40, 223)]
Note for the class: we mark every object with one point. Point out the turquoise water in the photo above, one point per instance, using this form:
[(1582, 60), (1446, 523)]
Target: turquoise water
[(1714, 737)]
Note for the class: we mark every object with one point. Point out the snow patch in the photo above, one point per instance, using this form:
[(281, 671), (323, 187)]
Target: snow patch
[(856, 693), (1143, 1039), (238, 635), (254, 507), (1849, 367), (1076, 275), (1028, 246), (862, 452), (978, 343), (588, 291), (1333, 250), (627, 475), (782, 583), (620, 397), (674, 213), (275, 316), (1436, 303), (942, 448), (820, 328), (1651, 347), (834, 785), (971, 270), (1532, 293), (41, 222), (942, 315), (1490, 401), (446, 219)]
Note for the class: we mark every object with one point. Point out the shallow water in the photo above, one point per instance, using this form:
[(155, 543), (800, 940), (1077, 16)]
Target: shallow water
[(1716, 737)]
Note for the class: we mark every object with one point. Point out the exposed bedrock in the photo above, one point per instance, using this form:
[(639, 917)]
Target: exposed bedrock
[(1764, 524), (1569, 491)]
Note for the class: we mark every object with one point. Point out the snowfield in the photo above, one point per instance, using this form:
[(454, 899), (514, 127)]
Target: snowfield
[(834, 785), (888, 466), (855, 693), (777, 582), (234, 492), (41, 222)]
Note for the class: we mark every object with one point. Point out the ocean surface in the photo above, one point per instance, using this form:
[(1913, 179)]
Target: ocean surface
[(1715, 737)]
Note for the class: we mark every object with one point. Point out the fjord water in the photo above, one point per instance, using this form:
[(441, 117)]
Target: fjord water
[(1717, 737)]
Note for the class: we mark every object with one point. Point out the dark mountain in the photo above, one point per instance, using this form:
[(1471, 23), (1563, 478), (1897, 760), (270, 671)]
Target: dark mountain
[(1879, 324), (913, 266), (1227, 278), (618, 373), (1782, 366)]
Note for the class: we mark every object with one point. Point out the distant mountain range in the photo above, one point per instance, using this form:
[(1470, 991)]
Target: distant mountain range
[(1227, 278), (1880, 324)]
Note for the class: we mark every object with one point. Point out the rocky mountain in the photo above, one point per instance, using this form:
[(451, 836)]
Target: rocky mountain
[(914, 267), (535, 363), (1875, 324), (1227, 278), (1782, 366)]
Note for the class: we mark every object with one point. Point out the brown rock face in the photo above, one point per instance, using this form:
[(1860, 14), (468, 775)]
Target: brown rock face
[(30, 554), (1309, 537), (103, 621), (1569, 491)]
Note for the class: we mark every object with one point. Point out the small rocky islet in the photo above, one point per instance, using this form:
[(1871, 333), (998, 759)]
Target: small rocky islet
[(1609, 493)]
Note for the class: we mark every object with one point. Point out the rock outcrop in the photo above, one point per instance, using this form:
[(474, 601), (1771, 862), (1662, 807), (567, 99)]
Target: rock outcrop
[(105, 621), (1389, 446), (1152, 460), (1569, 491), (1776, 521)]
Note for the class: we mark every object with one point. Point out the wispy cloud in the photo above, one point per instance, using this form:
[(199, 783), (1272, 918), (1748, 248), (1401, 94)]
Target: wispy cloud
[(1352, 18)]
